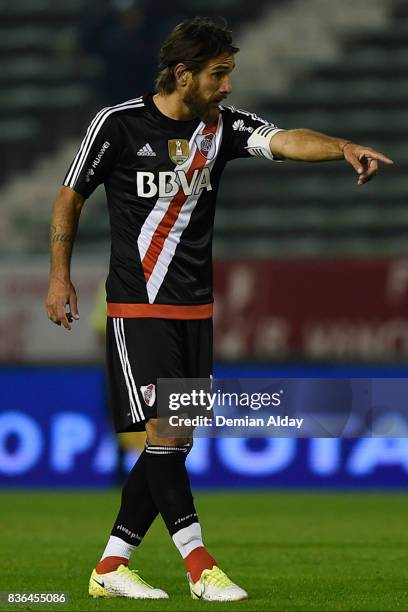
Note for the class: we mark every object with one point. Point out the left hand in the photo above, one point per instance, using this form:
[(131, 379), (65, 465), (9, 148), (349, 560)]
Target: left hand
[(364, 160)]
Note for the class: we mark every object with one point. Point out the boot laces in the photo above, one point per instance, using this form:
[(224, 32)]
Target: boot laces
[(134, 576), (216, 577)]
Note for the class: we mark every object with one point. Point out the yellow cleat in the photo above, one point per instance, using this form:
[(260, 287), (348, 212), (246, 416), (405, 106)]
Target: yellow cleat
[(123, 582), (214, 585)]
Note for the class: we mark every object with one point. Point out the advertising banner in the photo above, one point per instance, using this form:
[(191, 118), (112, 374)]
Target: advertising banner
[(345, 309), (26, 334), (316, 309), (55, 432)]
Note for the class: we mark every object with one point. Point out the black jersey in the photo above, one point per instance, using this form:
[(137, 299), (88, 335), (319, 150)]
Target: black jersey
[(161, 178)]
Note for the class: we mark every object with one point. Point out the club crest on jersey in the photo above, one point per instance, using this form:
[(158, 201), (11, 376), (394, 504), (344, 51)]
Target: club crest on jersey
[(149, 394), (206, 145), (179, 150)]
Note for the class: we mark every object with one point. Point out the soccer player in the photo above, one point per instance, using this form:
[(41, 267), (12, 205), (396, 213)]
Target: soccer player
[(160, 157)]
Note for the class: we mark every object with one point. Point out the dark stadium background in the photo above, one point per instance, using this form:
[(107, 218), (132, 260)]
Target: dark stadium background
[(311, 271)]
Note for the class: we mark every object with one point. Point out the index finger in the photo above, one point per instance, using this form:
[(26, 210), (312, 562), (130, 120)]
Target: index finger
[(376, 155)]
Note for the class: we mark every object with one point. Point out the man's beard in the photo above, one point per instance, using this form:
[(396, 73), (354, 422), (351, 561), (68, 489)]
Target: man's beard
[(199, 107)]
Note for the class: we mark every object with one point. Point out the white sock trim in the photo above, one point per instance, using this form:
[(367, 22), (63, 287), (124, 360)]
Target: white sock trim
[(188, 538), (117, 548)]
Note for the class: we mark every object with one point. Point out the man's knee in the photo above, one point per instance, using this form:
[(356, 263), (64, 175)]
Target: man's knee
[(154, 439)]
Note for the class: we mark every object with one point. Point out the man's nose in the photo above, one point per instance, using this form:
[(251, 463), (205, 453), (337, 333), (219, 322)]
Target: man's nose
[(226, 86)]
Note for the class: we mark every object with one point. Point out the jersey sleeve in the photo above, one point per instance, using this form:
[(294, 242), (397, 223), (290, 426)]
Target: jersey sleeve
[(248, 135), (99, 151)]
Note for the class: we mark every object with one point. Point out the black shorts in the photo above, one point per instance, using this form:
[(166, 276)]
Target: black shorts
[(141, 350)]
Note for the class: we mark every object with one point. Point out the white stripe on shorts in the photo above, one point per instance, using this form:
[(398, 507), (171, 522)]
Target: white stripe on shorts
[(135, 406)]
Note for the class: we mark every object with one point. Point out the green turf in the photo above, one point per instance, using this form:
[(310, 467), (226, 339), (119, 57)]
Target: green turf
[(291, 551)]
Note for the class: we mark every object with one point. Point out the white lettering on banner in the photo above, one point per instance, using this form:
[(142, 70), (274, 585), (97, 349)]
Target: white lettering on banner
[(170, 182), (73, 434), (277, 455), (325, 455), (29, 443), (370, 453), (271, 337), (232, 340), (106, 456), (346, 339), (199, 461), (397, 281)]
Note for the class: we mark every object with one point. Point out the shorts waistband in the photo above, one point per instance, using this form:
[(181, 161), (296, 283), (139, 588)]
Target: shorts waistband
[(160, 311)]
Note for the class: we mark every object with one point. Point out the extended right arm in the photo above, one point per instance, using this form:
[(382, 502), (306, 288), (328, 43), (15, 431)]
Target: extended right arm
[(65, 217)]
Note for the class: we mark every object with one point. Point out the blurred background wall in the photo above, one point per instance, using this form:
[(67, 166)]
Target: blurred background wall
[(308, 267)]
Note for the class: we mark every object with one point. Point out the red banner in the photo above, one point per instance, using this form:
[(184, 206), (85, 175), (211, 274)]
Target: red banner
[(312, 308)]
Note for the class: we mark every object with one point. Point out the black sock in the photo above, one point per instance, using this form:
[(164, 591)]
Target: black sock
[(138, 510), (170, 485)]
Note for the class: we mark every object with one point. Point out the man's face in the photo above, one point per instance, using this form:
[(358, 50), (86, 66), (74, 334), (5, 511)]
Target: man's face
[(209, 87)]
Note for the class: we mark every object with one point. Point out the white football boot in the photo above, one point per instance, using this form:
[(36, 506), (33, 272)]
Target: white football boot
[(214, 585), (123, 582)]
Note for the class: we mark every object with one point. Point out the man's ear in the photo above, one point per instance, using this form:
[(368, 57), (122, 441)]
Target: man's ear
[(181, 74)]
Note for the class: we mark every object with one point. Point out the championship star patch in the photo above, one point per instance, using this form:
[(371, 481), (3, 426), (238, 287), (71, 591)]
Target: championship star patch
[(149, 394), (179, 150)]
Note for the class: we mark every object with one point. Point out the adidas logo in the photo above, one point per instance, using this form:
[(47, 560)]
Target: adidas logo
[(146, 151), (241, 127)]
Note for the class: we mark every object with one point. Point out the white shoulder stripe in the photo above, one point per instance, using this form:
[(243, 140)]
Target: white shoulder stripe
[(90, 136), (93, 122)]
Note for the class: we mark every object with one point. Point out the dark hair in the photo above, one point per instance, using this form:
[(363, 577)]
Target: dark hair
[(192, 42)]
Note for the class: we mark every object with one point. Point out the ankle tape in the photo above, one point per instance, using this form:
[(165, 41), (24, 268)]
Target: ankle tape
[(153, 449)]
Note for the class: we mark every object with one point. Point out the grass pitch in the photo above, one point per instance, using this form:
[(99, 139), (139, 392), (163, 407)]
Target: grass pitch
[(291, 551)]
